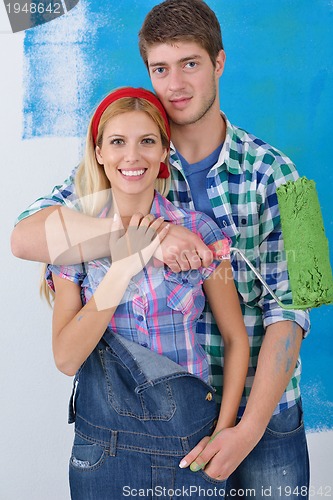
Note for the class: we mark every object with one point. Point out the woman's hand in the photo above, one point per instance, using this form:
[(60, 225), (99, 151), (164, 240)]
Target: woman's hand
[(132, 249)]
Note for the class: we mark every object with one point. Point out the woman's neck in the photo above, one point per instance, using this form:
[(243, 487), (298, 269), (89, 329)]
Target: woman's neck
[(128, 205)]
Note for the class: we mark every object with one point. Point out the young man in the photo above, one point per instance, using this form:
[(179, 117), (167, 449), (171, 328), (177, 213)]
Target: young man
[(231, 175)]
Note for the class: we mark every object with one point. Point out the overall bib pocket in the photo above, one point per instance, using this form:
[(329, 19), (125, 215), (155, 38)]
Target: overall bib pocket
[(124, 398)]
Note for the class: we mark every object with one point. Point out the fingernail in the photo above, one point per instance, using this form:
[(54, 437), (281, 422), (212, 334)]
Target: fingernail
[(115, 217), (182, 464), (195, 467)]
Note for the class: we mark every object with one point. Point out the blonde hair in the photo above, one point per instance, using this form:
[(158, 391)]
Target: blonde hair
[(92, 187), (91, 180)]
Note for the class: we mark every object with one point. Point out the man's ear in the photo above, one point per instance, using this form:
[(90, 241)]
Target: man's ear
[(98, 155), (220, 62)]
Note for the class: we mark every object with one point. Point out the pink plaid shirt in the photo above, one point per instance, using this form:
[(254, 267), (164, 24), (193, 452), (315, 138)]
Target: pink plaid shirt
[(159, 309)]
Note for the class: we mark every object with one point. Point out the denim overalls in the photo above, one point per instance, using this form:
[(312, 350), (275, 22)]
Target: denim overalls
[(136, 415)]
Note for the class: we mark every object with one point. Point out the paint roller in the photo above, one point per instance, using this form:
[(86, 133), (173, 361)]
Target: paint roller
[(305, 244)]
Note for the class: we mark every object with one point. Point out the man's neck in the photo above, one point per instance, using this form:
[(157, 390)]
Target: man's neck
[(198, 140)]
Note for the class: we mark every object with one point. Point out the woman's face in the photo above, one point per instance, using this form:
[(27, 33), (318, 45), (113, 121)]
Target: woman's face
[(131, 152)]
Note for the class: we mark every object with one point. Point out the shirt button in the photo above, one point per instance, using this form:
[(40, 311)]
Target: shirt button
[(185, 280), (209, 396), (144, 344), (140, 318)]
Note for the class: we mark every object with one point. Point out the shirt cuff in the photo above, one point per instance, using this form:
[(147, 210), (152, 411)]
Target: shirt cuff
[(276, 314)]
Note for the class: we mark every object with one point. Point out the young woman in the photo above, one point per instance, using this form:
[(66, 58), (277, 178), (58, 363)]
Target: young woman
[(127, 326)]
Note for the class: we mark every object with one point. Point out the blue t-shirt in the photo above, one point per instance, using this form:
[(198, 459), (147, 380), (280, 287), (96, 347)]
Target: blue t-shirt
[(196, 174)]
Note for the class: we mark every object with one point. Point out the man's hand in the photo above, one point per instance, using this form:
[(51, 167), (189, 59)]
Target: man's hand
[(220, 454), (182, 250)]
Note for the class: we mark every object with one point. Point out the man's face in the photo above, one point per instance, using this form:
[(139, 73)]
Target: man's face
[(184, 79)]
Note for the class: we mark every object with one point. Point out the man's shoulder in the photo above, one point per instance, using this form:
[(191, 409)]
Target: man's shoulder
[(253, 154), (241, 140)]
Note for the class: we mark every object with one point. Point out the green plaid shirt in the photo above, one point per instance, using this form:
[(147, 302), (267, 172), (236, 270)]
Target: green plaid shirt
[(241, 187), (242, 191)]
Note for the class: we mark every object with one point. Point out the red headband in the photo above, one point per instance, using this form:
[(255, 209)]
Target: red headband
[(131, 92)]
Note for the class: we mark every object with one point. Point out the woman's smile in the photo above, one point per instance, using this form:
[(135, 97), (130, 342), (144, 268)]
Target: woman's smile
[(133, 174)]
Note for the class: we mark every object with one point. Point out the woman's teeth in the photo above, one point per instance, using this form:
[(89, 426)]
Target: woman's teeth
[(130, 173)]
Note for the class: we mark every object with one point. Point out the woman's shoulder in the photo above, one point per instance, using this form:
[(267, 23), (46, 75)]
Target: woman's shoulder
[(162, 207)]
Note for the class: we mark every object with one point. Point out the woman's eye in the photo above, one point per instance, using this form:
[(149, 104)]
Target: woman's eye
[(117, 141), (148, 140)]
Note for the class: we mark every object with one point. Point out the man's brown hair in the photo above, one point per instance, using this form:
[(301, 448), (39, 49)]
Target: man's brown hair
[(181, 20)]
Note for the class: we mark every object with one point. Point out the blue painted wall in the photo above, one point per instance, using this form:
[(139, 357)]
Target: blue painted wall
[(278, 84)]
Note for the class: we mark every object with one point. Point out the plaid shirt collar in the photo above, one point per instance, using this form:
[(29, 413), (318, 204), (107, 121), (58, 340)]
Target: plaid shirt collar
[(162, 207), (230, 162)]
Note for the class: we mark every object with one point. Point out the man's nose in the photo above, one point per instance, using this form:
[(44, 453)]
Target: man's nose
[(176, 80)]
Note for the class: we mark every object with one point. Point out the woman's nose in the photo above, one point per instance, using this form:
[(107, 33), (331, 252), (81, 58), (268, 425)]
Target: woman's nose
[(132, 154)]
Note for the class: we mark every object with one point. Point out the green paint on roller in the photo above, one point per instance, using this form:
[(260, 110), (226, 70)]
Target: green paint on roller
[(305, 244)]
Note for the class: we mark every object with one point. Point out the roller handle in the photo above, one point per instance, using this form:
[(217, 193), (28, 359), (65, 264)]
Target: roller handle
[(218, 256)]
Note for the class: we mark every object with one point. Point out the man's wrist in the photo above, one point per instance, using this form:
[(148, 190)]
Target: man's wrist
[(251, 429)]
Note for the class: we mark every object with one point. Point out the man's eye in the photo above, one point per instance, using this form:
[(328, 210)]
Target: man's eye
[(159, 71), (191, 64)]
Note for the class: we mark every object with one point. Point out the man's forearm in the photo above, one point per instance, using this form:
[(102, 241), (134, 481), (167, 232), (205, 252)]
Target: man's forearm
[(62, 236), (276, 364)]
